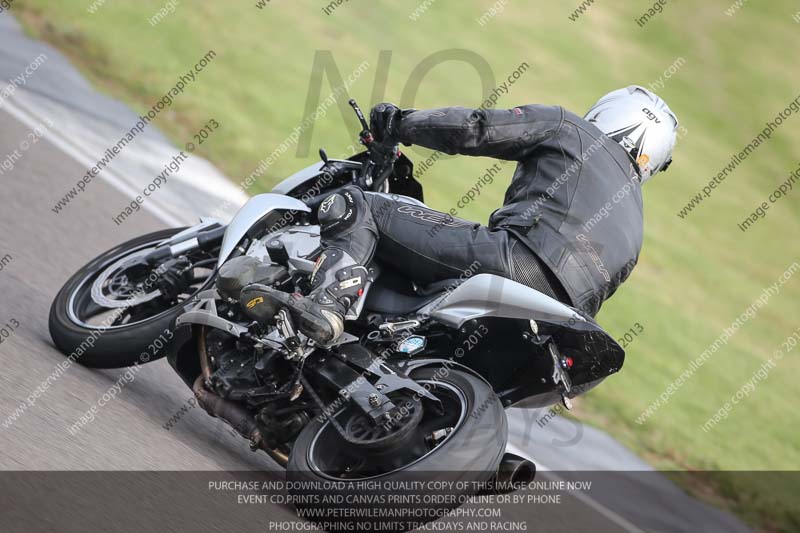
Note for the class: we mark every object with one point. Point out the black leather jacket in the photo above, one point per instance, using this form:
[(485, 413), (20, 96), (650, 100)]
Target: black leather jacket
[(575, 198)]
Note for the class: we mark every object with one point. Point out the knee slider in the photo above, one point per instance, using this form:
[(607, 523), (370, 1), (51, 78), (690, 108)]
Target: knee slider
[(340, 211), (332, 209)]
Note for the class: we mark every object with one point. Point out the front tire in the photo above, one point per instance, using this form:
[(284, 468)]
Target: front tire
[(468, 457), (114, 346)]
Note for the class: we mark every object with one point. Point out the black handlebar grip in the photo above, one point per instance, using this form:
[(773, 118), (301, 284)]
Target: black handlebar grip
[(157, 255), (209, 239)]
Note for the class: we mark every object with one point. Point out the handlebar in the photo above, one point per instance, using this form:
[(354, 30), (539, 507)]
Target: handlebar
[(379, 159)]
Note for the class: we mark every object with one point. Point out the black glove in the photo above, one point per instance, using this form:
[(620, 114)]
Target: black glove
[(384, 122)]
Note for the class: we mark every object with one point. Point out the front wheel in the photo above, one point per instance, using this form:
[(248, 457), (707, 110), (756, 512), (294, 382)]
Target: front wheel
[(118, 311), (443, 459)]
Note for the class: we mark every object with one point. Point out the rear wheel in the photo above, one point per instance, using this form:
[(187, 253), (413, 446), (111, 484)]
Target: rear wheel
[(117, 311), (460, 447)]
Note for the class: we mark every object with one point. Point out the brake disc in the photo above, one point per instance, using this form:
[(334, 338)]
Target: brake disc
[(119, 292)]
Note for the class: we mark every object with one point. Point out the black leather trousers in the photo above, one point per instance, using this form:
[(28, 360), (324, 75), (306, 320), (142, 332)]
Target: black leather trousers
[(429, 246)]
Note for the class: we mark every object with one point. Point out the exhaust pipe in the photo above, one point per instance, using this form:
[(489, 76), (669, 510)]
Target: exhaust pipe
[(514, 472), (235, 416), (232, 413)]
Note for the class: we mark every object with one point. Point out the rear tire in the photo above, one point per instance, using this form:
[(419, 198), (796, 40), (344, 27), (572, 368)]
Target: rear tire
[(471, 453), (118, 346)]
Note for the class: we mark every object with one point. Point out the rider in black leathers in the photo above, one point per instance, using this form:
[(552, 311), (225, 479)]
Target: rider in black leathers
[(570, 225)]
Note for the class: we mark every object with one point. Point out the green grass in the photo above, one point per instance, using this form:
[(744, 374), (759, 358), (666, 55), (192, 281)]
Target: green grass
[(695, 275)]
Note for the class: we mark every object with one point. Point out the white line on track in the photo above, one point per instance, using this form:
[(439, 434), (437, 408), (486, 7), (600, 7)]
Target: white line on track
[(31, 119), (586, 499), (594, 504)]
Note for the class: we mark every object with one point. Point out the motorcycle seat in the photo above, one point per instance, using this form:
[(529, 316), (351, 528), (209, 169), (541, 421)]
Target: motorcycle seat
[(392, 294), (385, 300)]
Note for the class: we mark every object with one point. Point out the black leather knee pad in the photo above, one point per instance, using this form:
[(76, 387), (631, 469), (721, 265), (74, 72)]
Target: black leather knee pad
[(332, 211), (346, 223), (340, 211)]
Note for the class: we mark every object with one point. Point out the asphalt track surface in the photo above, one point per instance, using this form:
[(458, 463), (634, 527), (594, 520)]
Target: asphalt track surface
[(129, 433)]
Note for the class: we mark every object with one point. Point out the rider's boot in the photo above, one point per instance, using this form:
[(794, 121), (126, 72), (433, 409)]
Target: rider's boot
[(320, 315), (349, 236)]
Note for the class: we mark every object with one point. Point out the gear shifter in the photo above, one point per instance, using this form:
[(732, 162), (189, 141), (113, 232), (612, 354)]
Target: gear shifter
[(285, 326)]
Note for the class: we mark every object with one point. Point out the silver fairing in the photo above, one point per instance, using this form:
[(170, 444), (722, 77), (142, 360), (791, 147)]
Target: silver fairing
[(252, 212), (487, 295), (300, 243), (311, 172), (298, 178), (596, 354)]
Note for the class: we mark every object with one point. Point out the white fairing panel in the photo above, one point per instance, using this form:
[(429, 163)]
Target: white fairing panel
[(487, 295), (254, 210), (298, 178)]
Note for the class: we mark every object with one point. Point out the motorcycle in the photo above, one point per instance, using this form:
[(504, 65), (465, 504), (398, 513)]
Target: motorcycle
[(417, 384)]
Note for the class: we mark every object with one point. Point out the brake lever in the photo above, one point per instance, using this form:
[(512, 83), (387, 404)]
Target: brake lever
[(365, 136)]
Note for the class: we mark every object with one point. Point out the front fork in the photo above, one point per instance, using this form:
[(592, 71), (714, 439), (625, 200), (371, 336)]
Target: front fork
[(204, 236)]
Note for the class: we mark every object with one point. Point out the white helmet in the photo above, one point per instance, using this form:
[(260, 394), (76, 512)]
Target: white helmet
[(641, 122)]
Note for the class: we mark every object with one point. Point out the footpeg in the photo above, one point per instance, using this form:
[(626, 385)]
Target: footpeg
[(283, 321), (285, 325), (394, 327)]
